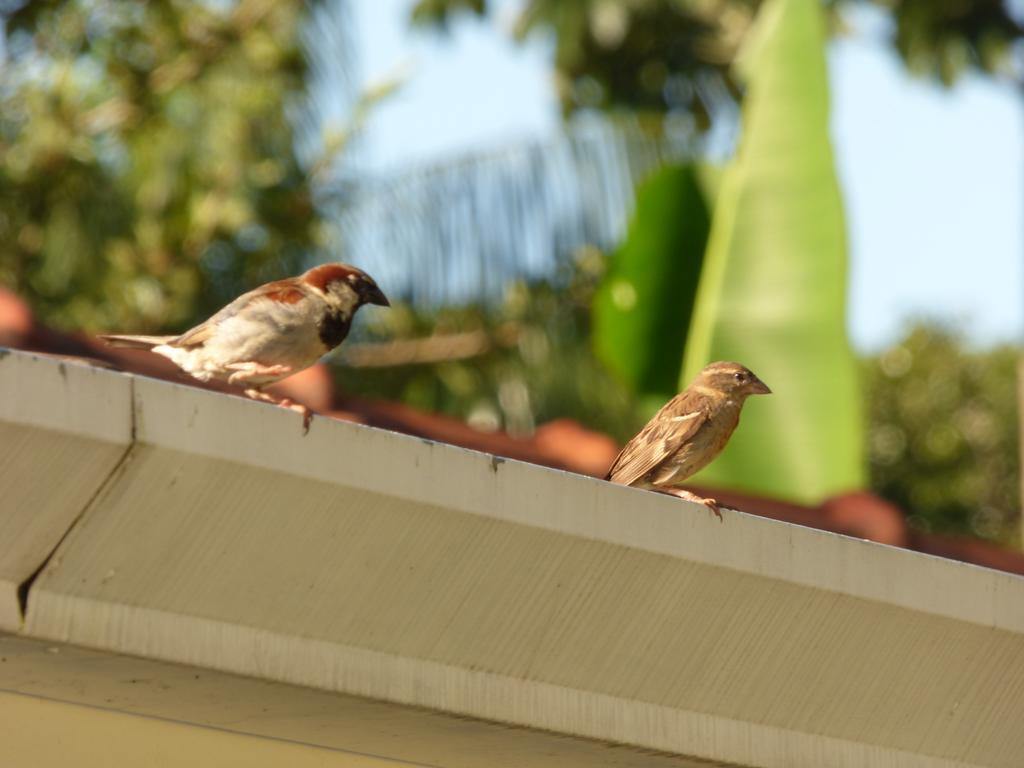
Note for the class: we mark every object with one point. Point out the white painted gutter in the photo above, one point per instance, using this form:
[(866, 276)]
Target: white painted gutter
[(206, 530)]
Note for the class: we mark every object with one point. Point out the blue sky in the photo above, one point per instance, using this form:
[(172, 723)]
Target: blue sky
[(933, 178)]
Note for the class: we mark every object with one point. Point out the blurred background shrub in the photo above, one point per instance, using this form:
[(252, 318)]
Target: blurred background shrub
[(148, 167), (944, 432)]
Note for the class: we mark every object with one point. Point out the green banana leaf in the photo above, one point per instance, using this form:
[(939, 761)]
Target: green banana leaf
[(773, 291), (642, 309)]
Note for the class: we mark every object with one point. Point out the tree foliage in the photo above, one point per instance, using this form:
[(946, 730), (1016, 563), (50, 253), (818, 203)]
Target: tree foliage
[(943, 432), (647, 56), (147, 162), (945, 38), (674, 55), (534, 362)]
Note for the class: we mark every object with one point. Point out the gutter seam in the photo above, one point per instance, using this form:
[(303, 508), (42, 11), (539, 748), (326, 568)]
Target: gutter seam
[(25, 587)]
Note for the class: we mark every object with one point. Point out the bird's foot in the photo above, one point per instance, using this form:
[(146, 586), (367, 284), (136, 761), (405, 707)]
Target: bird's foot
[(307, 415), (284, 402), (245, 371), (709, 503)]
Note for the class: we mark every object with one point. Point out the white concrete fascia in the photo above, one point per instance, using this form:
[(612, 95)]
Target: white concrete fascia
[(63, 429), (364, 562)]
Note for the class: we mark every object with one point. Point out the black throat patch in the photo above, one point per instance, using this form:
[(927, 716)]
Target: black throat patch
[(334, 328)]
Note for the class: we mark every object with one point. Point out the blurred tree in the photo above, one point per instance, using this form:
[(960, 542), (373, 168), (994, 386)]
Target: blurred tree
[(511, 366), (647, 56), (942, 439), (147, 162), (657, 56), (945, 38)]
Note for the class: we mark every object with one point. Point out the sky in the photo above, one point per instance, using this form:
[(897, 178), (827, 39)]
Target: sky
[(932, 178)]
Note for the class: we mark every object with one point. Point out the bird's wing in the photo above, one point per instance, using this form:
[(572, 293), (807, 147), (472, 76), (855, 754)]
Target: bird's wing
[(287, 291), (664, 434)]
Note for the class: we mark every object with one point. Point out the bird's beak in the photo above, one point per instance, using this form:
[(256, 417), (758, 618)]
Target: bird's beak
[(758, 387), (375, 295)]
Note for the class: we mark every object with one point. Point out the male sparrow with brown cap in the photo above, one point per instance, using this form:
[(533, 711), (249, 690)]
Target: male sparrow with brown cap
[(270, 332), (687, 433)]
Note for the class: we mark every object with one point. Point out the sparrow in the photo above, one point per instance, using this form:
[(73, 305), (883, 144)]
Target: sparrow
[(687, 433), (270, 332)]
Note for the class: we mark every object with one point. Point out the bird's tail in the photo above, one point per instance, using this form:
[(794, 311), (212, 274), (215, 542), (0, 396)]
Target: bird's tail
[(137, 342)]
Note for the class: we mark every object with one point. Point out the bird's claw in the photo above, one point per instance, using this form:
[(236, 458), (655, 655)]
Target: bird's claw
[(713, 506), (246, 371), (275, 370), (307, 414)]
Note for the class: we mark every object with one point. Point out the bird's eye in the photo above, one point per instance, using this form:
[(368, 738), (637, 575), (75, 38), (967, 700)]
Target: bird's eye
[(739, 376)]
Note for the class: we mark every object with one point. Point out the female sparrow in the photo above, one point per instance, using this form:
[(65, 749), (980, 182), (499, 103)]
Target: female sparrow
[(269, 333), (688, 432)]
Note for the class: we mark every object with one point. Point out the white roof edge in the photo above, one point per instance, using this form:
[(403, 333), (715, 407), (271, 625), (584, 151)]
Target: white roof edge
[(364, 562), (199, 421), (37, 392), (64, 427)]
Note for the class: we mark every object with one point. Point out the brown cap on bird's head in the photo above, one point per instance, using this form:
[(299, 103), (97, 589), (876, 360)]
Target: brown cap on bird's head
[(732, 378), (365, 287)]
